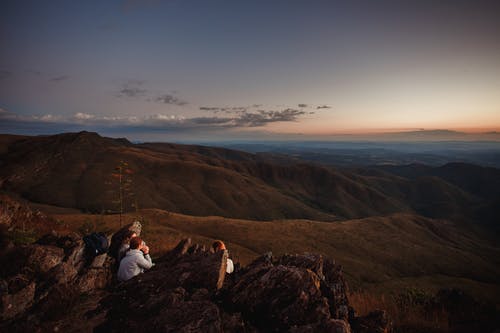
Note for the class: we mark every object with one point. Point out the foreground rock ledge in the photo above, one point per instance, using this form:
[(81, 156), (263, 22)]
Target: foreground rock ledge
[(187, 291)]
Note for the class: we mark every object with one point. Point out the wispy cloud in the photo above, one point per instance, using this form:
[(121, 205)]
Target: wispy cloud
[(263, 117), (323, 107), (138, 89), (302, 105), (59, 78), (132, 88), (225, 109), (170, 99)]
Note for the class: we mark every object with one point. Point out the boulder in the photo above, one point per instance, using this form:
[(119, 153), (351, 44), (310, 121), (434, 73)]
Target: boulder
[(42, 258), (17, 302), (43, 280), (280, 297), (97, 276), (63, 273)]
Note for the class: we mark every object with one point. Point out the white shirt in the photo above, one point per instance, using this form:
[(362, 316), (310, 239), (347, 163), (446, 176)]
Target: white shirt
[(134, 263), (229, 266)]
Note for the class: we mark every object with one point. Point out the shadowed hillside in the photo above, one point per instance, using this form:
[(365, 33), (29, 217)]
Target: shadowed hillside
[(76, 170)]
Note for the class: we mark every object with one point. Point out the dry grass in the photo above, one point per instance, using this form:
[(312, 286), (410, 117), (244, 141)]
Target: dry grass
[(408, 311), (378, 254)]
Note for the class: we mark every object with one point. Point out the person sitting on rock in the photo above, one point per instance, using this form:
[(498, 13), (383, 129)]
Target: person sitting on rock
[(219, 245), (126, 244), (136, 260)]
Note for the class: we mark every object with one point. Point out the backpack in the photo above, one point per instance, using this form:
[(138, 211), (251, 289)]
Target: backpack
[(96, 243)]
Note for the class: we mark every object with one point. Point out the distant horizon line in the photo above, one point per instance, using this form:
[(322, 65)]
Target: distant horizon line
[(401, 135)]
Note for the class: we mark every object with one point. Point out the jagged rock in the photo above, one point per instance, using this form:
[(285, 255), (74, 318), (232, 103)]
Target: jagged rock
[(42, 280), (187, 291), (76, 255), (177, 252), (175, 295), (189, 316), (193, 271), (314, 262), (280, 297), (17, 302), (98, 276), (119, 236), (335, 288), (42, 258), (57, 302), (63, 273), (182, 293), (168, 311)]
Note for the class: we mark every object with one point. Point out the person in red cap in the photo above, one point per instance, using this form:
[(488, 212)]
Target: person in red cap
[(219, 245)]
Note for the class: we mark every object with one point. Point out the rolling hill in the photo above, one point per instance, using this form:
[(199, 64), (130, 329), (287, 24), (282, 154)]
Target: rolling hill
[(76, 170)]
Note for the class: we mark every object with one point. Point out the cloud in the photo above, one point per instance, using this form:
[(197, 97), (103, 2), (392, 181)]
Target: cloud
[(226, 109), (171, 123), (59, 78), (323, 107), (243, 116), (84, 116), (136, 89), (209, 108), (263, 117), (170, 99), (302, 105), (4, 74), (131, 92), (132, 88)]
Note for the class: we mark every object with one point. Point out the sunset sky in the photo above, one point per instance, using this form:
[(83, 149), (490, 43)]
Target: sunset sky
[(213, 69)]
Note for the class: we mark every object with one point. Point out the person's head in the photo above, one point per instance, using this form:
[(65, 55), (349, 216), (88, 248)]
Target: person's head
[(128, 236), (218, 245), (135, 243)]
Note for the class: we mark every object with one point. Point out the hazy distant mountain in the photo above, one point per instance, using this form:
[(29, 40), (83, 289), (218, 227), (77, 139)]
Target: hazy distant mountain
[(76, 170), (434, 135)]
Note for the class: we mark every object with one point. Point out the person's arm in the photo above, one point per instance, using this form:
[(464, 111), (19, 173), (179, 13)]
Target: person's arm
[(145, 262)]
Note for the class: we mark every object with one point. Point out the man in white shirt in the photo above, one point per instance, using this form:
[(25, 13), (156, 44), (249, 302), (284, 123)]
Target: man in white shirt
[(135, 261)]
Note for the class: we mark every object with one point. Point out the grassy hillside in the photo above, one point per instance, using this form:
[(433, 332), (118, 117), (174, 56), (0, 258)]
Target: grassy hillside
[(78, 170), (382, 254)]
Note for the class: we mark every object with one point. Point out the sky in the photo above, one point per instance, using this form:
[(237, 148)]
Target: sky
[(178, 70)]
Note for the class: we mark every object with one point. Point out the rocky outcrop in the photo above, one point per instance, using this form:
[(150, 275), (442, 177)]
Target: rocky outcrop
[(187, 290), (42, 280), (17, 213)]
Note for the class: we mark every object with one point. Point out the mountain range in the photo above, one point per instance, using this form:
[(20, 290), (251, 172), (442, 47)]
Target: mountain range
[(79, 170)]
